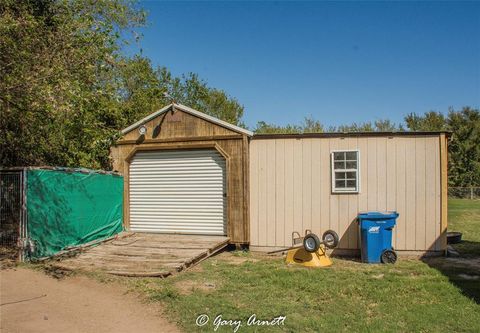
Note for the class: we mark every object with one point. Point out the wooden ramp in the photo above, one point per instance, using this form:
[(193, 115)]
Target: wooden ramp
[(143, 254)]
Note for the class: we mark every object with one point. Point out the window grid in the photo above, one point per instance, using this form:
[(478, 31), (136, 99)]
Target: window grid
[(345, 165)]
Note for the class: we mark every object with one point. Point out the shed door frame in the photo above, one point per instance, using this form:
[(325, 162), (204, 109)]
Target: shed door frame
[(159, 147)]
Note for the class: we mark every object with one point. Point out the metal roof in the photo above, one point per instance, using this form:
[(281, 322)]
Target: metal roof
[(190, 111)]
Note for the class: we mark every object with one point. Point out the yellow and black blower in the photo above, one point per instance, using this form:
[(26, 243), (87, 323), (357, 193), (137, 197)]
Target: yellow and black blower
[(309, 250)]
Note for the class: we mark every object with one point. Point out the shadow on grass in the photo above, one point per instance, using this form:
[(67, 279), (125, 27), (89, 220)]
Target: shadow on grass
[(468, 249), (462, 271)]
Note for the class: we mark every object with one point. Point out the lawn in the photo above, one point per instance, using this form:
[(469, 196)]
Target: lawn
[(464, 216), (410, 296)]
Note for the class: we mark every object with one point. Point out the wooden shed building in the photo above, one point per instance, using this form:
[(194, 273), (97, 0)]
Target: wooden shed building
[(187, 172)]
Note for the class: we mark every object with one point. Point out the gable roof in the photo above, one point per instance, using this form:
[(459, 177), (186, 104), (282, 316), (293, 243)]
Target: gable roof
[(190, 111)]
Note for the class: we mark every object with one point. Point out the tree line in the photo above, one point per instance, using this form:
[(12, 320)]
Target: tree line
[(67, 88)]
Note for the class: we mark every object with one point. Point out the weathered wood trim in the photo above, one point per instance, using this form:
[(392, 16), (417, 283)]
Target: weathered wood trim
[(246, 186), (179, 139), (444, 191), (176, 146)]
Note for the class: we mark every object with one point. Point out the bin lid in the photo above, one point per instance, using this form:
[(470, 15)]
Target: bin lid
[(377, 215)]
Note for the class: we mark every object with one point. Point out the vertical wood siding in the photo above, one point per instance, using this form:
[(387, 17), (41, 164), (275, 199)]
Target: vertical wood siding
[(290, 189)]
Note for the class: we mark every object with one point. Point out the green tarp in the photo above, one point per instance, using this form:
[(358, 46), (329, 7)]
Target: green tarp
[(71, 208)]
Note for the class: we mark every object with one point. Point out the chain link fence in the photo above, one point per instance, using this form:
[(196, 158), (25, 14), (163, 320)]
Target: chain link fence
[(11, 212), (472, 193)]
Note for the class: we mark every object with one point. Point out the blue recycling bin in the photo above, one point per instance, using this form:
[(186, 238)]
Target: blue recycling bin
[(376, 236)]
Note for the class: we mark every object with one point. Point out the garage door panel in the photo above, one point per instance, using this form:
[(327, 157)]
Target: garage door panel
[(178, 192)]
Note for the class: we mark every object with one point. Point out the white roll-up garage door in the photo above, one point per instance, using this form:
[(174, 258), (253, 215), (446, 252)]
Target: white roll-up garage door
[(178, 191)]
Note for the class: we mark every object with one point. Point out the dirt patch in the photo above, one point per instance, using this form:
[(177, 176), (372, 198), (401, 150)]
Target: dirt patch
[(186, 287), (34, 302)]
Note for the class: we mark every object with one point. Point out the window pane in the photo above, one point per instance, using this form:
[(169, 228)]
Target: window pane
[(340, 183), (351, 175), (343, 180), (340, 175), (352, 183), (339, 156), (351, 155), (351, 165)]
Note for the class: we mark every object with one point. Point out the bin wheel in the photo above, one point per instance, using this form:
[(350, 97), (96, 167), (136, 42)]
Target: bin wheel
[(388, 257), (311, 243), (330, 239)]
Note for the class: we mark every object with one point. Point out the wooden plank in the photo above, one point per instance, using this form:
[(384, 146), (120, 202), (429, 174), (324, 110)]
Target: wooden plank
[(400, 195), (289, 191), (438, 196), (420, 193), (262, 193), (246, 188), (444, 191), (316, 187), (333, 197), (325, 185), (343, 222), (182, 139), (431, 145), (270, 192), (352, 226), (306, 192), (372, 175), (391, 183), (297, 186), (381, 167), (254, 192), (280, 193), (364, 188), (410, 192)]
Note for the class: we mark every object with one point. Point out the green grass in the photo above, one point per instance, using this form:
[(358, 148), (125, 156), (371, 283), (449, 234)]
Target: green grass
[(411, 296), (349, 296), (464, 216)]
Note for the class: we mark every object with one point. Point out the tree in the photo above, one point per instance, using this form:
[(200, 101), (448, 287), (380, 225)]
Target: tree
[(143, 89), (66, 89), (464, 145), (430, 121), (309, 125), (194, 92), (56, 59), (263, 127)]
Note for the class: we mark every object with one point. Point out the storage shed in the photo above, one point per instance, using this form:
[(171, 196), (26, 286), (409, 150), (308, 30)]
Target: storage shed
[(322, 181), (190, 173), (185, 172)]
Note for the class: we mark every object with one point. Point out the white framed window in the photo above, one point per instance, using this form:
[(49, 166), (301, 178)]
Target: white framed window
[(345, 171)]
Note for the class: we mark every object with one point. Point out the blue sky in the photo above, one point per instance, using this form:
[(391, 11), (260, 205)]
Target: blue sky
[(340, 62)]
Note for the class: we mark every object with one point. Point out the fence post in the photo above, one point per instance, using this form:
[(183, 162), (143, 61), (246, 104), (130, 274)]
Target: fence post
[(471, 193)]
